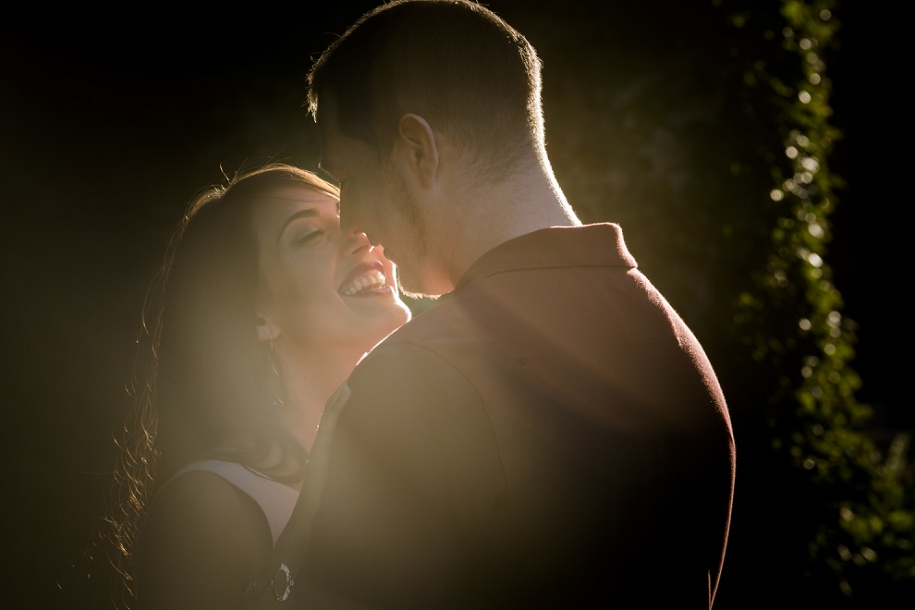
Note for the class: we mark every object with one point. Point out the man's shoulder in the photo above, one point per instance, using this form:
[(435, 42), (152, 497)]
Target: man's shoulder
[(416, 354)]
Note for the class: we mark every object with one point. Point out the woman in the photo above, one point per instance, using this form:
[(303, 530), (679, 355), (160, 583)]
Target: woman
[(266, 309)]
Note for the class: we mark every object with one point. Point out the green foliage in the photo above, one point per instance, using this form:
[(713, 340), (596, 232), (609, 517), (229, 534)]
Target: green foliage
[(792, 323), (703, 128)]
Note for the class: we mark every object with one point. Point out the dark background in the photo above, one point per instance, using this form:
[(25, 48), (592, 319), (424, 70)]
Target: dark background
[(109, 124)]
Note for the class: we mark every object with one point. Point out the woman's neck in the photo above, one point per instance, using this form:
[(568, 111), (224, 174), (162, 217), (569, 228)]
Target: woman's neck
[(308, 383)]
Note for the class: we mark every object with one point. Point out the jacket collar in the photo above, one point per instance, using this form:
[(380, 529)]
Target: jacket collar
[(596, 245)]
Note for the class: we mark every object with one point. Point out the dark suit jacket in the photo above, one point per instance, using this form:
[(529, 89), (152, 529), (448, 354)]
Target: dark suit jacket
[(552, 435)]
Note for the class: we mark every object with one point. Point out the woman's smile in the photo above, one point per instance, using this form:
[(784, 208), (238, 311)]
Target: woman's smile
[(366, 280)]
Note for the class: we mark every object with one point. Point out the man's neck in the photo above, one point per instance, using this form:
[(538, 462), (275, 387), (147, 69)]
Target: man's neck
[(486, 216)]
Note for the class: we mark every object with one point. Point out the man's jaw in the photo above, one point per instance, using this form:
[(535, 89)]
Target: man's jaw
[(415, 286)]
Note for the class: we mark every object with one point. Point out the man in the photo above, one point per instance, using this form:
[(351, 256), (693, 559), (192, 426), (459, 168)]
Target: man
[(552, 434)]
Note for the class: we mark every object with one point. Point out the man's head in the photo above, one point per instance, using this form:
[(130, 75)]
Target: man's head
[(420, 73), (455, 63)]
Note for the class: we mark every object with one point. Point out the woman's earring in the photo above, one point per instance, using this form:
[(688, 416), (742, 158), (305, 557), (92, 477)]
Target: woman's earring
[(277, 402)]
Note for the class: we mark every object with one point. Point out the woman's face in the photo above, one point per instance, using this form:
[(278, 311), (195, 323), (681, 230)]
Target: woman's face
[(319, 289)]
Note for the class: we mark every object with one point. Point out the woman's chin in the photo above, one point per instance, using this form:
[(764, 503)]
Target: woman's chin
[(399, 315)]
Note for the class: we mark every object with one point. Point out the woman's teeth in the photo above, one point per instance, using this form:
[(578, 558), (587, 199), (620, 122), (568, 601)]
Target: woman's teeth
[(369, 279)]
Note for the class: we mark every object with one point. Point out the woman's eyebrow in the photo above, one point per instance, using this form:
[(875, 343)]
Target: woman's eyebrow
[(309, 213)]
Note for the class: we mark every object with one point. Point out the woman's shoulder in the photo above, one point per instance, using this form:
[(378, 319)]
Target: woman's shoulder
[(202, 542), (275, 499), (203, 498)]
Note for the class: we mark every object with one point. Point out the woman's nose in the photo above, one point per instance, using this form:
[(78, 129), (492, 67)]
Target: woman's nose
[(356, 241)]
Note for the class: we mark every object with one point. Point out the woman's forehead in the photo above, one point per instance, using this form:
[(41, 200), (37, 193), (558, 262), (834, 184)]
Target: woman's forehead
[(295, 194), (276, 205)]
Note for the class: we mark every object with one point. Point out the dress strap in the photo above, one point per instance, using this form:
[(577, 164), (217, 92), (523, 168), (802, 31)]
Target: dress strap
[(275, 499)]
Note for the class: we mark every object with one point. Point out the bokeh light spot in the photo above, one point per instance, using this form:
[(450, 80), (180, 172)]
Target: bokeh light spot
[(810, 164)]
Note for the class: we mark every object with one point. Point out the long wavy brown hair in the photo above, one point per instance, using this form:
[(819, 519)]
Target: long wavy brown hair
[(203, 392)]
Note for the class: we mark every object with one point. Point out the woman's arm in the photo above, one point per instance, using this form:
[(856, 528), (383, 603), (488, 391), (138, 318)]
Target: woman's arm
[(203, 542)]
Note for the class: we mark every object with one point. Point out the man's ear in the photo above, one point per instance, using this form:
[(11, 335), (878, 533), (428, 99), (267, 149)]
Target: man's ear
[(418, 140), (266, 330)]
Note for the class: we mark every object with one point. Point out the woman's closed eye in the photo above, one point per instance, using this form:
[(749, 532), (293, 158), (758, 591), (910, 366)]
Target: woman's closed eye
[(310, 236)]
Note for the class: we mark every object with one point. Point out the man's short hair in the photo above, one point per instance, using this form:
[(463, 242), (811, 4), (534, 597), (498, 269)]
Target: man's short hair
[(472, 76)]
